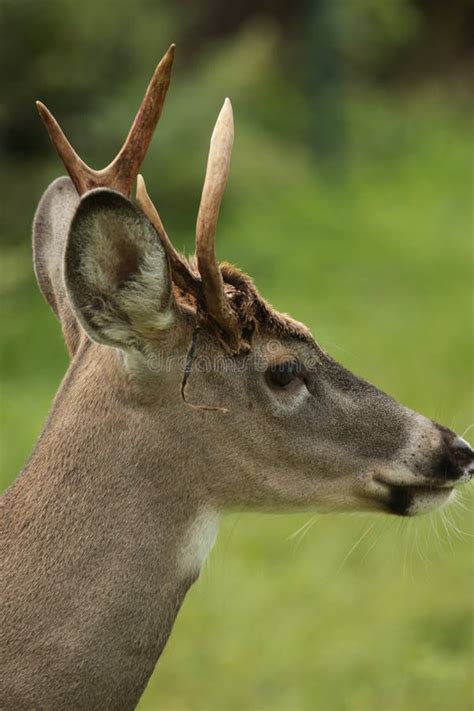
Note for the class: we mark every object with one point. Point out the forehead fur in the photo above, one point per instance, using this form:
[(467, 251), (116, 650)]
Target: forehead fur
[(253, 310)]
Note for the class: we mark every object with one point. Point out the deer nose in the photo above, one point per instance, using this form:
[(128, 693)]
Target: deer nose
[(464, 456), (457, 462)]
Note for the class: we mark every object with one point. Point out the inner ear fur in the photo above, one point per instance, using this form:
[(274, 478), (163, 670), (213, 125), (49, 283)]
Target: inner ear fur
[(116, 272)]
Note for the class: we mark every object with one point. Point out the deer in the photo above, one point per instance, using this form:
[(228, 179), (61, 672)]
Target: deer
[(187, 396)]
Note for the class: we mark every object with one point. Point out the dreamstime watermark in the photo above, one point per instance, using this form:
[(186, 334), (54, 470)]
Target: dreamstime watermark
[(256, 361)]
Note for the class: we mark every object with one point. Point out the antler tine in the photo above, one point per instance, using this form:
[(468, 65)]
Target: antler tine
[(181, 272), (81, 175), (218, 164), (126, 165), (122, 171)]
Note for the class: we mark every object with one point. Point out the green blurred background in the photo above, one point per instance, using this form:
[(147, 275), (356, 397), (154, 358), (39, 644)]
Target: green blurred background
[(349, 202)]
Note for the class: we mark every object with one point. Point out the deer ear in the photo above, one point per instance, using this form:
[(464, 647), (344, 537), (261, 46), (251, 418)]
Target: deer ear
[(116, 272)]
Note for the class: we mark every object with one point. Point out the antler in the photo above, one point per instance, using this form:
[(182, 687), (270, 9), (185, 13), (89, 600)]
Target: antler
[(218, 164), (121, 173), (182, 275), (208, 290)]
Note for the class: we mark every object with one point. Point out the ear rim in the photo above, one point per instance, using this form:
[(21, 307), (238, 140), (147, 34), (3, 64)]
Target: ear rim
[(50, 229), (95, 200)]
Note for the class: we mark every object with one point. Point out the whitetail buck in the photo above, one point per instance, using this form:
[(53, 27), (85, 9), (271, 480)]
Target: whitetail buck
[(110, 521)]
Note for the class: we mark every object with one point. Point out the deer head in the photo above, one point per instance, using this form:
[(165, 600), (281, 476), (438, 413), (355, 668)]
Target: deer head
[(278, 424)]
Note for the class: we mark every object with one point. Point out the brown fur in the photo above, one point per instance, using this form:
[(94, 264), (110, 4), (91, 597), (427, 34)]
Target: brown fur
[(254, 313)]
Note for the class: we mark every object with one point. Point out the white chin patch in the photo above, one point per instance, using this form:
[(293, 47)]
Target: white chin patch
[(425, 502)]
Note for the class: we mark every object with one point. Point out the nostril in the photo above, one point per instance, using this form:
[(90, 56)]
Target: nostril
[(454, 461), (463, 452)]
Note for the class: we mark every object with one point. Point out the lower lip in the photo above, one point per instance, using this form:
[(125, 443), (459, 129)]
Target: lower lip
[(412, 500)]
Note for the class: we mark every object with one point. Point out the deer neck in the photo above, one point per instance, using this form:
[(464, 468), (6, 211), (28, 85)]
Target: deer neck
[(102, 550)]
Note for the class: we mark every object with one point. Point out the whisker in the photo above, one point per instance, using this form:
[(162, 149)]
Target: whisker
[(468, 429), (460, 501), (418, 549), (436, 532), (412, 547), (405, 556), (447, 529), (443, 540), (425, 542), (356, 544), (303, 532), (372, 546), (459, 504), (455, 527), (307, 524), (408, 555)]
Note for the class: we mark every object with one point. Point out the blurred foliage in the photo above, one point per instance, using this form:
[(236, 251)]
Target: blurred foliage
[(349, 202), (373, 33)]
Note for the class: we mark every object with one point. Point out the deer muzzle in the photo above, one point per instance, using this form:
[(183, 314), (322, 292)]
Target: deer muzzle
[(435, 461)]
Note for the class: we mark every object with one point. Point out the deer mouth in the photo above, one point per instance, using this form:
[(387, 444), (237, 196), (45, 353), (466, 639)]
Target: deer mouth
[(412, 499)]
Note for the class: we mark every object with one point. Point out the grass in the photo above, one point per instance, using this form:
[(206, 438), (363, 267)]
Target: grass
[(377, 258)]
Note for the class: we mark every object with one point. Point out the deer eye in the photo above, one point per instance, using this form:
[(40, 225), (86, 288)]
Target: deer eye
[(283, 373)]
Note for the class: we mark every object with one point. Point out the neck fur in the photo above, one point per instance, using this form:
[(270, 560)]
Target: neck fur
[(100, 557)]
